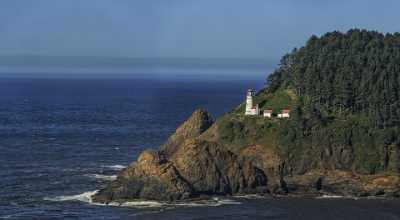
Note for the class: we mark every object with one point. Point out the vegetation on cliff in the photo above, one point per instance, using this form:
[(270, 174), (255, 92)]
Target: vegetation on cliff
[(342, 89), (348, 87)]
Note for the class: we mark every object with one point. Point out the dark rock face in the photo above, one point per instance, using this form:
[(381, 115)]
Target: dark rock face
[(191, 128), (151, 177), (185, 168), (213, 170), (344, 183)]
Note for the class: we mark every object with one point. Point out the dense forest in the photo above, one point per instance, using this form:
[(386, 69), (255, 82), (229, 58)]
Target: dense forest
[(348, 87)]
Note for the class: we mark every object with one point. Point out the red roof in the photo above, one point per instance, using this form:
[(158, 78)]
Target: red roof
[(268, 110), (285, 110)]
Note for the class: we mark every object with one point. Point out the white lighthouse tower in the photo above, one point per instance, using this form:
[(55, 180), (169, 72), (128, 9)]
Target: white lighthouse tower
[(250, 108)]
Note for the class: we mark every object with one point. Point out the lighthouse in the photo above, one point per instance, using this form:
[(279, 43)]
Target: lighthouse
[(250, 108)]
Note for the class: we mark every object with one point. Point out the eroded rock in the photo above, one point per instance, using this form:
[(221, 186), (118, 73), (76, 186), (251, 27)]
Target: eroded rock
[(197, 123), (184, 168)]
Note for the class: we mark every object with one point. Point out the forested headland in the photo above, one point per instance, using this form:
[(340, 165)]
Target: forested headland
[(348, 87), (342, 136)]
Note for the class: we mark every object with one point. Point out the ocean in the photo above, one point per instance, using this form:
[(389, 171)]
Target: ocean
[(61, 139)]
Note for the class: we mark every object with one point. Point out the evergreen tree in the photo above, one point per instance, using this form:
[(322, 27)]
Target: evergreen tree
[(349, 79)]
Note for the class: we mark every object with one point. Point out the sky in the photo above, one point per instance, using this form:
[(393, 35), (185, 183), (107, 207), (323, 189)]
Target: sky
[(129, 34)]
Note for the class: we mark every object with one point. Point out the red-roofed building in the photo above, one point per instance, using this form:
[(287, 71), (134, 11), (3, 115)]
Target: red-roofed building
[(285, 113), (267, 113)]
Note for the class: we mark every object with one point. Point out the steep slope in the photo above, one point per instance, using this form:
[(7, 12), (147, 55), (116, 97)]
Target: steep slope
[(192, 128)]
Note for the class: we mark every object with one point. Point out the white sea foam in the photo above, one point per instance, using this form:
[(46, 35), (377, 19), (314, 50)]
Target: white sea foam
[(142, 204), (226, 201), (115, 167), (153, 204), (215, 201), (331, 197), (249, 196), (83, 197), (87, 197), (103, 177)]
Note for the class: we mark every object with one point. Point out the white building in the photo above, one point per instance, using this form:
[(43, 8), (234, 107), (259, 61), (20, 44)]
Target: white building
[(251, 109), (267, 113), (284, 113)]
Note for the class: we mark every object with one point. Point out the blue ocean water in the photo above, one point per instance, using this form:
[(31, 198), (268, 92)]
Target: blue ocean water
[(62, 139)]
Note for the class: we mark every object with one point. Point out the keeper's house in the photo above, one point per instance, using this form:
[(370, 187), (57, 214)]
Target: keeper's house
[(285, 113), (267, 113)]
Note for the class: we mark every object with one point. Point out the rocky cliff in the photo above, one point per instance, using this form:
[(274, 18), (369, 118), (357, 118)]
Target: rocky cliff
[(187, 166), (199, 122), (197, 161), (200, 160)]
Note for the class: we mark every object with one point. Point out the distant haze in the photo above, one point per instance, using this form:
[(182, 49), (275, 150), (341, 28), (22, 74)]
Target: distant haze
[(133, 36)]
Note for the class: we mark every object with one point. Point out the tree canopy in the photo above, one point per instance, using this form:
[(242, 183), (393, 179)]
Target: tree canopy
[(348, 87)]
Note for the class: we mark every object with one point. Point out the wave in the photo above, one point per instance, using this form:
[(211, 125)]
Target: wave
[(330, 196), (83, 197), (115, 167), (103, 177), (333, 197), (249, 196), (139, 204), (154, 204), (215, 201), (87, 198)]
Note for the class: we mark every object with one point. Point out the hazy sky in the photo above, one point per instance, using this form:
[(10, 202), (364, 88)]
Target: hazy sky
[(259, 30)]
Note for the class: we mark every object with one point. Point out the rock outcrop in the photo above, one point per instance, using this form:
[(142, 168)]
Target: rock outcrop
[(150, 177), (211, 169), (199, 122), (185, 167)]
